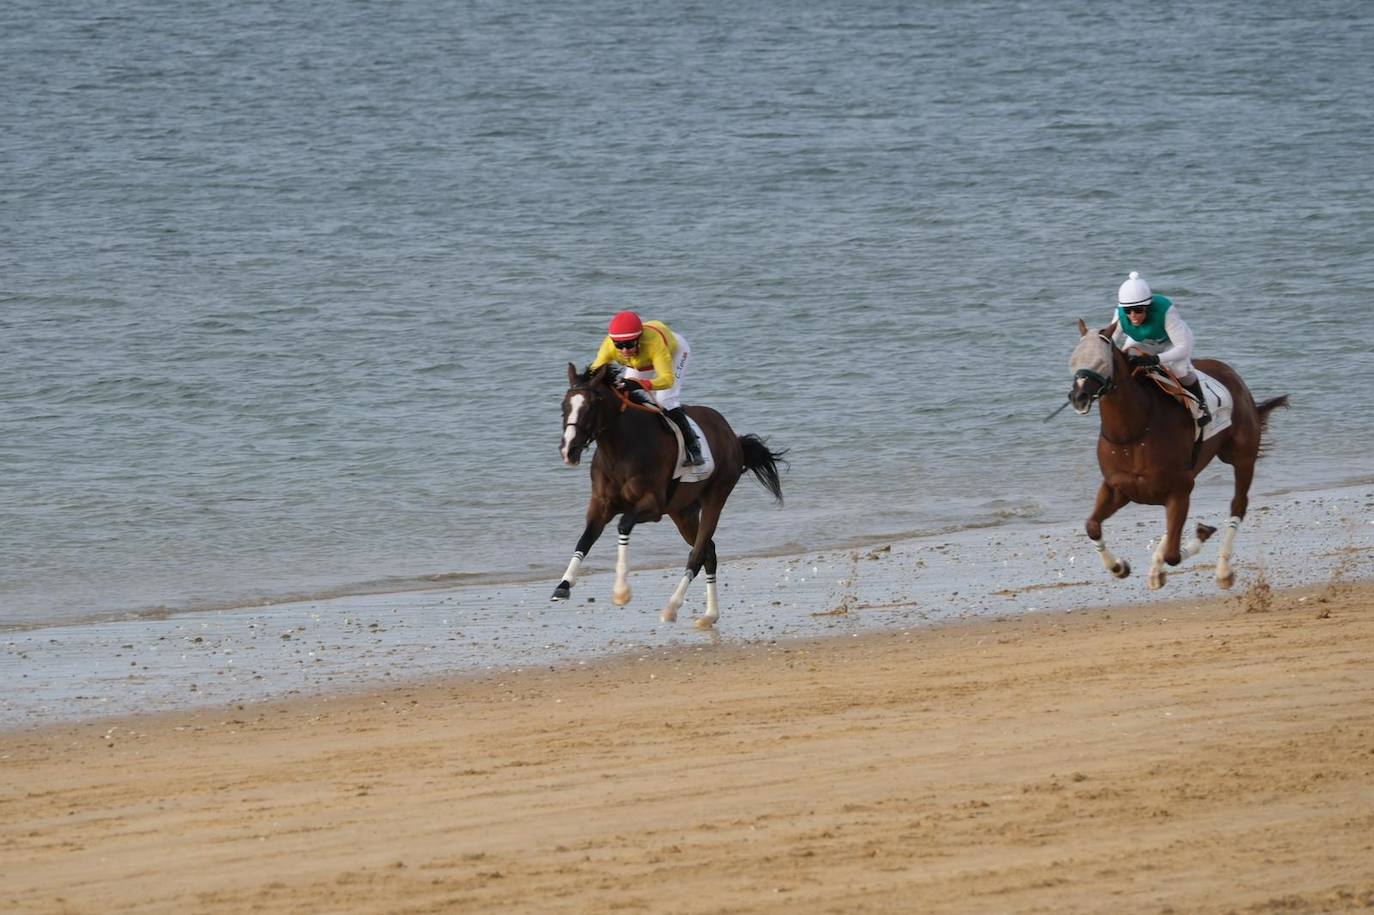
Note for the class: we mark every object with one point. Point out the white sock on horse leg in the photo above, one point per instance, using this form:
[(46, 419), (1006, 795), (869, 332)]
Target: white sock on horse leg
[(570, 576), (1228, 538)]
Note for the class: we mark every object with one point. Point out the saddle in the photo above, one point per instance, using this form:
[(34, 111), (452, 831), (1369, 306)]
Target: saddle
[(1218, 396), (681, 471)]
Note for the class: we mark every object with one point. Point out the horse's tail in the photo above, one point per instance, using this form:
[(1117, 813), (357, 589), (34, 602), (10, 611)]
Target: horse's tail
[(1262, 410), (763, 462)]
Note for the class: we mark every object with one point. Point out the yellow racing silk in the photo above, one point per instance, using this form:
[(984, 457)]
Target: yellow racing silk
[(657, 346)]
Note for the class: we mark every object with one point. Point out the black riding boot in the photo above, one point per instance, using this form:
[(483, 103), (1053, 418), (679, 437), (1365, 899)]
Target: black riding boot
[(689, 438), (1196, 390)]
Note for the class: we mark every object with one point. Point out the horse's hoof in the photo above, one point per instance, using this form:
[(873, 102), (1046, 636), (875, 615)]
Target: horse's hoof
[(1121, 569), (1226, 581), (668, 616), (1204, 531), (620, 598), (562, 592), (1157, 581), (705, 623)]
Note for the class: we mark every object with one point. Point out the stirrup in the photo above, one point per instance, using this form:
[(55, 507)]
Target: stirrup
[(694, 458)]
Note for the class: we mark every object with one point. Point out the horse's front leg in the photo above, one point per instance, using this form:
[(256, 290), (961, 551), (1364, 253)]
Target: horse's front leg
[(589, 536), (620, 592), (1175, 513), (1109, 502)]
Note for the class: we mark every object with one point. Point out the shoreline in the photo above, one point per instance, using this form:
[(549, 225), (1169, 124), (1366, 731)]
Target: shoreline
[(421, 584), (349, 644), (1204, 755)]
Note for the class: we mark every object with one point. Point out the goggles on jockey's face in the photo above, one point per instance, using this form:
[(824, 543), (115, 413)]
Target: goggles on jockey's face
[(626, 344), (1129, 309)]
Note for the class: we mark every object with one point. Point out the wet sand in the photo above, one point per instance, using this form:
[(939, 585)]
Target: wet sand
[(1193, 755), (254, 655)]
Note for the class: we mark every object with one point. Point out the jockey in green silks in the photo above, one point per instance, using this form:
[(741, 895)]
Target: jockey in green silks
[(1151, 323)]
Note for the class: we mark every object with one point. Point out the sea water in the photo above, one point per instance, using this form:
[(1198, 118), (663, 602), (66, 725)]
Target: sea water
[(288, 292)]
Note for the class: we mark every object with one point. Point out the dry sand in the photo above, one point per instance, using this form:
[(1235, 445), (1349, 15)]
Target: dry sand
[(1200, 756)]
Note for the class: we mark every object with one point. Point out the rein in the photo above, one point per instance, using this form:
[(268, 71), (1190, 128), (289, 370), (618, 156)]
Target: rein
[(627, 403)]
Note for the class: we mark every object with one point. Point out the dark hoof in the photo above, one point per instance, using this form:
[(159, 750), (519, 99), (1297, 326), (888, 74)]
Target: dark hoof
[(1122, 569), (562, 592), (1204, 531)]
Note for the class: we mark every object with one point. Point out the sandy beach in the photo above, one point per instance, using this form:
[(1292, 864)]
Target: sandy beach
[(1212, 755)]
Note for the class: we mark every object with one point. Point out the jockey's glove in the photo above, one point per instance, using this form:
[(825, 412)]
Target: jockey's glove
[(1138, 359)]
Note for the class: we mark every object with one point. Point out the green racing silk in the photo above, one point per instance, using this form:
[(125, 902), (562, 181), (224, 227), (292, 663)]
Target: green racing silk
[(1152, 331)]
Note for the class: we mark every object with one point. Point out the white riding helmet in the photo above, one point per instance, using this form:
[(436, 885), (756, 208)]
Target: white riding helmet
[(1134, 291)]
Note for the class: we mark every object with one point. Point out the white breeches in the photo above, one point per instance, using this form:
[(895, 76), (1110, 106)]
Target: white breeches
[(1182, 369), (668, 397)]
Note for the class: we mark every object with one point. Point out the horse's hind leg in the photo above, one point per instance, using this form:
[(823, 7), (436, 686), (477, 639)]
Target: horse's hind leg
[(1109, 502), (1186, 551), (703, 553), (687, 521), (620, 591), (712, 604), (1240, 501)]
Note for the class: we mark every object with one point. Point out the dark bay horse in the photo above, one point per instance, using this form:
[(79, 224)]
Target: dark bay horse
[(1147, 454), (632, 476)]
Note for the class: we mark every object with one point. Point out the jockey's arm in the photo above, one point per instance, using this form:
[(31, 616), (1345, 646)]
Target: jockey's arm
[(1180, 338), (662, 358)]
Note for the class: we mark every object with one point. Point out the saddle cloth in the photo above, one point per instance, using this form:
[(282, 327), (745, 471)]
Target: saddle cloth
[(682, 471), (1218, 400)]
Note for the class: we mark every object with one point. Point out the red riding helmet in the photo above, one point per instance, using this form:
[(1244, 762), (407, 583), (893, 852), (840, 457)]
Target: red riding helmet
[(626, 326)]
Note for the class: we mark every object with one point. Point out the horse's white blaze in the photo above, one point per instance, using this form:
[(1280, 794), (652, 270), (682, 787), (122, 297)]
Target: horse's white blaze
[(620, 593), (576, 404)]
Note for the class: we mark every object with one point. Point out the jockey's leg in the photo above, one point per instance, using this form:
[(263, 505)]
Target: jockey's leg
[(1193, 385), (689, 437), (668, 400)]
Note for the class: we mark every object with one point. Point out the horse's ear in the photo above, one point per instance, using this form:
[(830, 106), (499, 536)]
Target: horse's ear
[(572, 374), (1082, 328), (600, 374)]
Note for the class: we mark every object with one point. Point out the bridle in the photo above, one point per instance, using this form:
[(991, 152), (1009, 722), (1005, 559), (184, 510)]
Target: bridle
[(1105, 383), (592, 403)]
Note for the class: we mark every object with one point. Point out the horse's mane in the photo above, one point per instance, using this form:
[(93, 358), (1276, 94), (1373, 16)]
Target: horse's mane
[(614, 371)]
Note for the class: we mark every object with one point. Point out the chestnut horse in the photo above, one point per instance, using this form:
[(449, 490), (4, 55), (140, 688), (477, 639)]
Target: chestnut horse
[(1147, 452), (632, 476)]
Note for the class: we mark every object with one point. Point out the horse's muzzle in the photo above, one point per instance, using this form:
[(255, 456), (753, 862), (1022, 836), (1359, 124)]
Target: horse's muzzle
[(1080, 399)]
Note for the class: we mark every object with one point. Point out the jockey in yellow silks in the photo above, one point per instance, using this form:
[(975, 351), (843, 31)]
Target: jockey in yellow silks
[(656, 359)]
